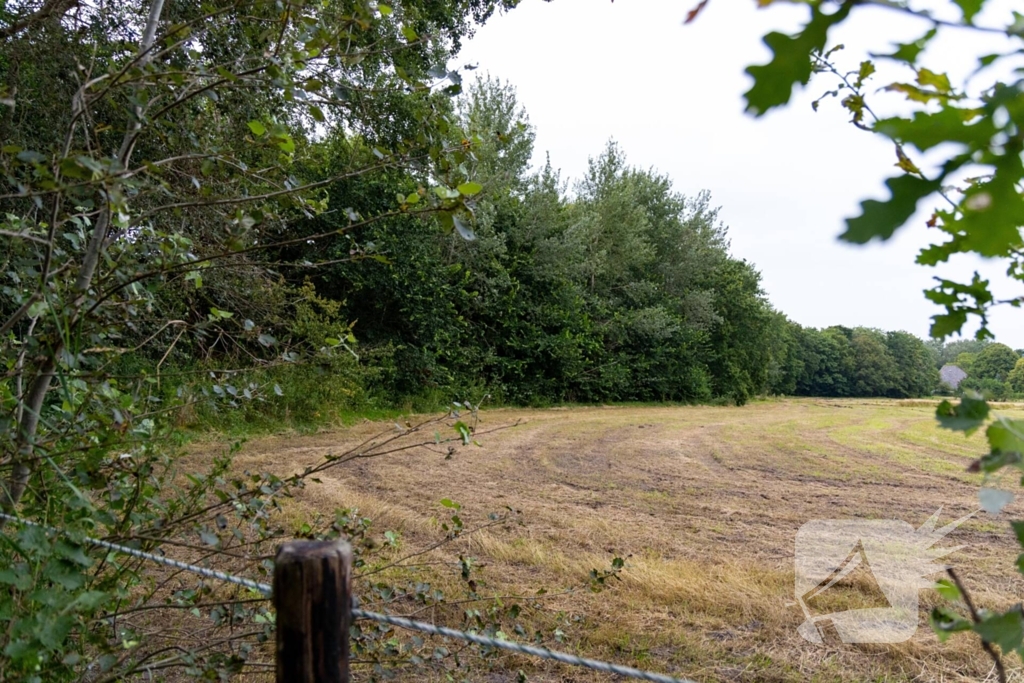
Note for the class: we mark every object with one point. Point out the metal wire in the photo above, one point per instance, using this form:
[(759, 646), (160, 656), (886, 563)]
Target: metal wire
[(511, 646), (166, 561), (401, 622)]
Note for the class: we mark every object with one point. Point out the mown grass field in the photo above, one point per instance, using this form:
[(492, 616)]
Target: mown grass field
[(704, 502)]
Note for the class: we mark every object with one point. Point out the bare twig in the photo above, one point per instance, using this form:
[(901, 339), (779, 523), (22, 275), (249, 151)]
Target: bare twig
[(45, 11), (925, 15), (987, 646)]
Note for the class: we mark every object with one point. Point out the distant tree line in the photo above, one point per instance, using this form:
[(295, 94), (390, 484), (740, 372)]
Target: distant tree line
[(844, 362), (993, 370), (611, 288)]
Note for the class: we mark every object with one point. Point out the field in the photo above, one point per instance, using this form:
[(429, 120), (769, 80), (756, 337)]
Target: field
[(702, 502)]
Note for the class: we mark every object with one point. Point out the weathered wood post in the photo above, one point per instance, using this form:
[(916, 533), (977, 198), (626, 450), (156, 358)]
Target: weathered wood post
[(312, 596)]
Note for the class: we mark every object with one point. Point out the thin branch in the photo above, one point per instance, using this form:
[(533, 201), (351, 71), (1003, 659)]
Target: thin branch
[(45, 11), (1000, 669), (226, 201), (23, 236), (927, 16), (259, 247), (20, 313), (435, 546)]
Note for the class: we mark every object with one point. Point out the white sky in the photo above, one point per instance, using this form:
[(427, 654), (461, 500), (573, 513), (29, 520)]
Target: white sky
[(671, 95)]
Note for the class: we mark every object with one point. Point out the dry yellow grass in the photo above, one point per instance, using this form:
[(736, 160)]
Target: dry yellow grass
[(705, 502)]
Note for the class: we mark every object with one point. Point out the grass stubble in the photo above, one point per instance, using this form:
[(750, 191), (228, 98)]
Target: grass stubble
[(705, 503)]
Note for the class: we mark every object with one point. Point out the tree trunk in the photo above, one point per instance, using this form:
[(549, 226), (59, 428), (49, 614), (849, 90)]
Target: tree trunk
[(32, 405)]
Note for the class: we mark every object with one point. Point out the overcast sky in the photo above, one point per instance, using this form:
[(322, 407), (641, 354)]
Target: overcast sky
[(671, 95)]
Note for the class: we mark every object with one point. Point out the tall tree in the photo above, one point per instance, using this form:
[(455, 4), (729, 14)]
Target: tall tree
[(155, 163), (916, 374), (875, 370), (1016, 377), (995, 361)]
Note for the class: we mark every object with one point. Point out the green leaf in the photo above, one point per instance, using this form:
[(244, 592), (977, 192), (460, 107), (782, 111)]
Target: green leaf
[(90, 600), (1004, 630), (1018, 529), (915, 93), (317, 113), (449, 503), (31, 157), (72, 552), (946, 622), (967, 416), (947, 324), (993, 462), (993, 210), (956, 298), (257, 128), (1017, 27), (469, 189), (409, 33), (867, 67), (64, 574), (1006, 436), (969, 8), (18, 576), (909, 52), (446, 192), (384, 9), (37, 309), (464, 431), (71, 168), (55, 631), (286, 143), (930, 129), (791, 61), (939, 81), (882, 219), (34, 540), (947, 589)]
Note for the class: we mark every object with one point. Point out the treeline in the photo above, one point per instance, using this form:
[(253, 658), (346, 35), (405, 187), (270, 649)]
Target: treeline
[(844, 362), (613, 287), (993, 370), (610, 288), (607, 288)]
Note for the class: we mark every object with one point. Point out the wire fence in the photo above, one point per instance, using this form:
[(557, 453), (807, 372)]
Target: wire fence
[(398, 621)]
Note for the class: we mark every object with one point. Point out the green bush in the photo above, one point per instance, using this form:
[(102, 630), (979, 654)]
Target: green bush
[(989, 388)]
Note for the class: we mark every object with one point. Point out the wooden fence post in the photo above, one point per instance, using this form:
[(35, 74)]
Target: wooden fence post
[(312, 597)]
